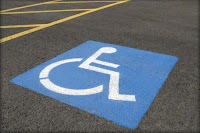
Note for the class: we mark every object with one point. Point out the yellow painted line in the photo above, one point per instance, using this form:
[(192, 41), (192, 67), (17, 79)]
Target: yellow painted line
[(21, 26), (45, 11), (58, 21), (81, 2), (21, 7)]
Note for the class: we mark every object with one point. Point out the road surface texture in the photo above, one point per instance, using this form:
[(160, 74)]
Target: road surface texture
[(162, 26)]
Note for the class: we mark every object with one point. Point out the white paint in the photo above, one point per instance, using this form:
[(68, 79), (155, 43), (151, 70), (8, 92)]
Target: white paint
[(114, 77), (45, 72), (105, 63), (67, 91)]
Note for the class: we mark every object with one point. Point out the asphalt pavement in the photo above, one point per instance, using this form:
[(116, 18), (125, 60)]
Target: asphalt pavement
[(162, 26)]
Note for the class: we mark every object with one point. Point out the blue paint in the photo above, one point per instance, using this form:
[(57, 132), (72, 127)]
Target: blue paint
[(142, 74)]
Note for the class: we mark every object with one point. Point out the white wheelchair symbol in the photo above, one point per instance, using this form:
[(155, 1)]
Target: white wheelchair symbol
[(114, 77)]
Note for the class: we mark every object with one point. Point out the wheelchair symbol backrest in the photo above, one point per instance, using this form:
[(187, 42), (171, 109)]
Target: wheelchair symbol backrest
[(113, 83)]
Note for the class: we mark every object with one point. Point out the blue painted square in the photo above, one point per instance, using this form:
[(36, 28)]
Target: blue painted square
[(141, 75)]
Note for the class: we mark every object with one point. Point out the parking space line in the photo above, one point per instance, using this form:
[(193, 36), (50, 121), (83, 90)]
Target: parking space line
[(81, 2), (59, 21), (22, 26), (45, 11), (16, 8)]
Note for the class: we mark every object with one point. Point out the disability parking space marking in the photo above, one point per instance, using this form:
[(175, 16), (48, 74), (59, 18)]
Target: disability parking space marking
[(108, 80), (39, 27)]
